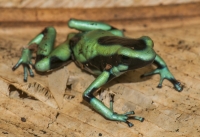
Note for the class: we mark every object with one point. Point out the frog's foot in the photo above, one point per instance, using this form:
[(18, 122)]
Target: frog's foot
[(165, 74), (123, 117), (25, 60)]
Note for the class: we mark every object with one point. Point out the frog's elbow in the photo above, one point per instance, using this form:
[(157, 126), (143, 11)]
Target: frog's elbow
[(72, 23), (148, 41)]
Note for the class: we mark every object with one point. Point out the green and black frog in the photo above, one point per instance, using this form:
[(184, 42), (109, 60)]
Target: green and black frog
[(99, 49)]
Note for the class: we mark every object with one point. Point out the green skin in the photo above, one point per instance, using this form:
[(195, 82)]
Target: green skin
[(99, 49)]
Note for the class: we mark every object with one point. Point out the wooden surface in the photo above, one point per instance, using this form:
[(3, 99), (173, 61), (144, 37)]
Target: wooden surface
[(52, 105), (86, 3), (180, 14)]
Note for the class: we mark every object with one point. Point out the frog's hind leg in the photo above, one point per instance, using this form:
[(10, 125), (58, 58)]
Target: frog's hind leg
[(42, 43), (58, 57), (84, 25), (164, 74)]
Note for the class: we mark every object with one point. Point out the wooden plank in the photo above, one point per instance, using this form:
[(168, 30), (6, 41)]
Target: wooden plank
[(86, 3), (103, 14), (167, 112), (28, 112)]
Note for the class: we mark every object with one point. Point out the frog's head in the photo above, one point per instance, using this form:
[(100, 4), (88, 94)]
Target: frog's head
[(136, 44), (133, 53)]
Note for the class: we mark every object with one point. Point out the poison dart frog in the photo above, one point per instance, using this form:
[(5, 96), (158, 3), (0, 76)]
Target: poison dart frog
[(99, 49)]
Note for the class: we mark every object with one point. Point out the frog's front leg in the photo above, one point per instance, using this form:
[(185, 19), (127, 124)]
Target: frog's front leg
[(100, 107), (164, 72)]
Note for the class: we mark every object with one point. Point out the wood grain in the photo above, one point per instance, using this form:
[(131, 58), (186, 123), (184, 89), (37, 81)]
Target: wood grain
[(86, 3), (104, 14)]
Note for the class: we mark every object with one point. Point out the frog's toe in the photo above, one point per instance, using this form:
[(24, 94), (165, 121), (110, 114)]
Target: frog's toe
[(17, 65), (129, 113), (129, 123), (25, 73), (124, 118), (26, 70), (141, 119), (159, 86), (178, 86), (31, 72), (160, 83)]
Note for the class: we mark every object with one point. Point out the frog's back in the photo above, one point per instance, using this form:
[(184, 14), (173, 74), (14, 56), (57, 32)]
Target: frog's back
[(98, 50), (90, 54), (88, 46)]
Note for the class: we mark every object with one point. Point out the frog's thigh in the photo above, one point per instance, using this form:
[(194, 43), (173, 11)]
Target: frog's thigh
[(59, 56)]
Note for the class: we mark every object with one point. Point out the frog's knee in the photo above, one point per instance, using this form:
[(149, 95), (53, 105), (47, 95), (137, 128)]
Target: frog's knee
[(43, 65)]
